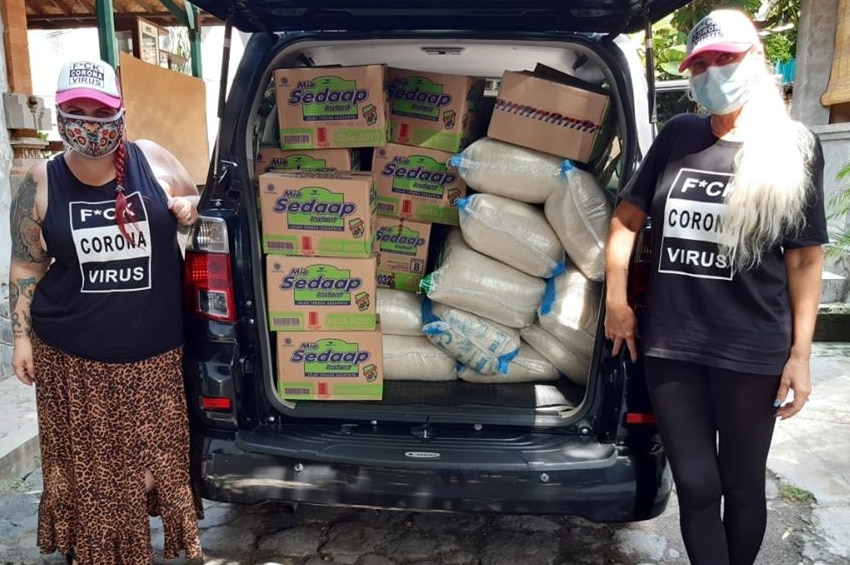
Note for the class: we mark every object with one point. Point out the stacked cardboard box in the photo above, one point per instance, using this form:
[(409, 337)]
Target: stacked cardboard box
[(271, 158), (325, 107), (318, 233), (552, 112)]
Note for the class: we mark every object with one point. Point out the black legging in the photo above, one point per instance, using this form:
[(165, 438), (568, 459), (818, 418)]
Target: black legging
[(695, 405)]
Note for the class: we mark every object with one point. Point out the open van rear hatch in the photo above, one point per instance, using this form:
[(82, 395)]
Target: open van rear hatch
[(600, 16)]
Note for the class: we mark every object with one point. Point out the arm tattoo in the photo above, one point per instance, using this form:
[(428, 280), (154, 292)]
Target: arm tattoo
[(26, 228), (21, 319)]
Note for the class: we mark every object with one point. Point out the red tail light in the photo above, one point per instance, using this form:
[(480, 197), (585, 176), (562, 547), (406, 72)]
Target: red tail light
[(216, 403), (639, 418), (208, 279)]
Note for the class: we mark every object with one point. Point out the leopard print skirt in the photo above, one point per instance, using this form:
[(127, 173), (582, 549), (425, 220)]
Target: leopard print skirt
[(101, 425)]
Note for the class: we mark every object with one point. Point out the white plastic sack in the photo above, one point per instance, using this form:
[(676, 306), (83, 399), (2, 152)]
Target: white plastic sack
[(415, 358), (570, 310), (527, 366), (515, 233), (580, 213), (573, 365), (468, 280), (470, 339), (400, 312), (496, 167)]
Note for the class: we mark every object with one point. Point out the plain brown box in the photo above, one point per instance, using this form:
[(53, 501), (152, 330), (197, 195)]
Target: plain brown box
[(550, 112)]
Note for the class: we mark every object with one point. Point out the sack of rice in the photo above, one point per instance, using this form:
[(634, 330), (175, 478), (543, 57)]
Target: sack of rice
[(515, 233), (470, 339), (496, 167), (570, 310), (573, 365), (527, 366), (468, 280), (400, 312), (415, 358), (580, 213)]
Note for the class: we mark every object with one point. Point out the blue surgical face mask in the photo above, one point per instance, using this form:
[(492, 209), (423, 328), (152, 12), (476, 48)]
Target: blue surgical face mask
[(723, 89)]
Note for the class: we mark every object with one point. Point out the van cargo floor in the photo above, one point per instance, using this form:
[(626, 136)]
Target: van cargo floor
[(561, 393)]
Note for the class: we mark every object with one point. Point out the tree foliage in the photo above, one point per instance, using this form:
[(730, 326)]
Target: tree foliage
[(670, 34)]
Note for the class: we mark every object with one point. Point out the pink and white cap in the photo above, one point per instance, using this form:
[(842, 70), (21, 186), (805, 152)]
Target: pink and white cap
[(93, 80), (727, 30)]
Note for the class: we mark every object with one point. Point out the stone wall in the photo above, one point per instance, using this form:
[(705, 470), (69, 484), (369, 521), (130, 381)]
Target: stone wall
[(815, 50), (5, 244)]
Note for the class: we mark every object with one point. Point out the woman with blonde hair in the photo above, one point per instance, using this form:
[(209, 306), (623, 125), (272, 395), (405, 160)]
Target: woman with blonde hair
[(736, 201), (95, 292)]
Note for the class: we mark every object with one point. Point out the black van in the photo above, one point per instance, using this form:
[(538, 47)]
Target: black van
[(549, 448)]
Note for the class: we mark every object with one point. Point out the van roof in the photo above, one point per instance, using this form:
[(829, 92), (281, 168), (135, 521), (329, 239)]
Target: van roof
[(599, 16)]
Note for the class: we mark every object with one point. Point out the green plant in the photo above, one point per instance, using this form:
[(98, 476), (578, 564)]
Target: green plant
[(839, 208), (670, 34), (795, 494)]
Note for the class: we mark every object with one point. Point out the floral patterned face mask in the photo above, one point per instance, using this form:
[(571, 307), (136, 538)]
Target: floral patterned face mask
[(91, 137)]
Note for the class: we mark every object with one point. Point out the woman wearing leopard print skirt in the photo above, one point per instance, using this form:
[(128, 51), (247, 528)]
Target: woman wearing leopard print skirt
[(97, 313)]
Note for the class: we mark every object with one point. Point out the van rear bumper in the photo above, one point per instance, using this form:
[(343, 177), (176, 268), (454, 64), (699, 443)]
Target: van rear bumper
[(619, 487)]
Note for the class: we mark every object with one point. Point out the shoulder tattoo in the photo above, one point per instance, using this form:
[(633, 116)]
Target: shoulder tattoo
[(26, 225)]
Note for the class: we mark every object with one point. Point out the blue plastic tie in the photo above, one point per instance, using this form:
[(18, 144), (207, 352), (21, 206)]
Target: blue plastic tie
[(566, 167), (548, 297), (560, 269), (505, 361)]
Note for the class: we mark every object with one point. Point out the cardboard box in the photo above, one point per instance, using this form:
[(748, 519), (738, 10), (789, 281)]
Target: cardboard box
[(551, 112), (330, 215), (271, 159), (323, 107), (330, 365), (415, 183), (402, 252), (320, 293), (433, 110)]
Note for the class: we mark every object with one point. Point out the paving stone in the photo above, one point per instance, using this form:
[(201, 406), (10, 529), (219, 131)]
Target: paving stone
[(279, 561), (312, 513), (376, 560), (440, 522), (347, 539), (522, 523), (512, 548), (415, 545), (296, 542), (460, 558)]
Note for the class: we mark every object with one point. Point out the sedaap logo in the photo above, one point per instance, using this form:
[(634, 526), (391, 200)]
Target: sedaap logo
[(400, 90), (328, 96), (298, 282), (314, 206), (391, 235), (419, 173), (307, 355)]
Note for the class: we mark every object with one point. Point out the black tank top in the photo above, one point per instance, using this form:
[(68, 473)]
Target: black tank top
[(104, 298)]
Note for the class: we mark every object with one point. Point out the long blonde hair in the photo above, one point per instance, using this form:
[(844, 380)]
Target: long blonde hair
[(770, 188)]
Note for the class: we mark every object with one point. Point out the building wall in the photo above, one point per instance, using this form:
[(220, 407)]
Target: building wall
[(5, 244), (815, 53), (815, 49)]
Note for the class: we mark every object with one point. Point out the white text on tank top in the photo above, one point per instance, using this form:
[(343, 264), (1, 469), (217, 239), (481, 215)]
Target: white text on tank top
[(110, 263)]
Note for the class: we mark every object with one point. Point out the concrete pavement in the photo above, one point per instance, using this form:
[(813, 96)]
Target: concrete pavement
[(810, 452)]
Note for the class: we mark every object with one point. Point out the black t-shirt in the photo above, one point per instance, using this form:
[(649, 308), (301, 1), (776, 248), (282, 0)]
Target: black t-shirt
[(696, 309)]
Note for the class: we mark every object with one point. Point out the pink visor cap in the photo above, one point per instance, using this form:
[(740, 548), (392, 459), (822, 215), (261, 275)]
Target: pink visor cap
[(730, 31), (93, 80)]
